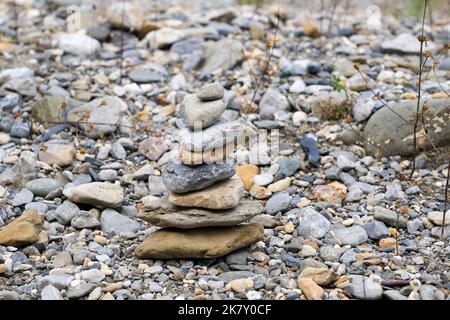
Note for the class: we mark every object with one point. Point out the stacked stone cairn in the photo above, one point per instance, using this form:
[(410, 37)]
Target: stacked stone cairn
[(204, 216)]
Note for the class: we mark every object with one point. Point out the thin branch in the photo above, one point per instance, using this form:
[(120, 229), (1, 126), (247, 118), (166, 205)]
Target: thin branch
[(379, 98), (122, 43), (266, 67), (422, 39), (445, 200)]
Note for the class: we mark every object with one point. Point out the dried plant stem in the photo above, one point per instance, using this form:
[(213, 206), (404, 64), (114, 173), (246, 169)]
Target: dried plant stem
[(366, 140), (396, 235), (379, 98), (419, 87), (331, 19), (445, 200), (122, 43), (16, 20), (269, 58)]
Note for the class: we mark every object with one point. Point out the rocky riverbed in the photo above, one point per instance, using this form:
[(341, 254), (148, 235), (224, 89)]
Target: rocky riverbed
[(109, 192)]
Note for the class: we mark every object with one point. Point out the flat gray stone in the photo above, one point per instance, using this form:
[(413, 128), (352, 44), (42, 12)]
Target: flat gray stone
[(353, 235), (200, 114), (197, 218), (114, 223), (43, 186), (179, 178)]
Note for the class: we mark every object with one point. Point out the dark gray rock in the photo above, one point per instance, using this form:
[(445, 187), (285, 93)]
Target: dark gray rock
[(287, 167), (309, 145), (180, 178)]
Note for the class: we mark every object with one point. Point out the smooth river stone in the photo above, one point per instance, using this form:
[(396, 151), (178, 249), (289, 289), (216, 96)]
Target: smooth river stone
[(201, 114), (216, 136), (222, 195), (197, 218), (210, 92), (180, 178), (98, 194), (200, 243)]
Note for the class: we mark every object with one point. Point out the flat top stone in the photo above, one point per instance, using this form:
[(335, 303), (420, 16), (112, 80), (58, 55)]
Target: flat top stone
[(196, 218), (204, 243), (180, 178), (209, 92), (222, 195), (198, 114)]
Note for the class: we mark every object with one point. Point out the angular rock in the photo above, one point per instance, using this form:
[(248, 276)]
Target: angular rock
[(310, 289), (204, 243), (376, 230), (50, 110), (278, 202), (23, 230), (115, 223), (313, 224), (223, 54), (65, 212), (57, 153), (352, 236), (271, 102), (153, 148), (84, 220), (100, 116), (321, 276)]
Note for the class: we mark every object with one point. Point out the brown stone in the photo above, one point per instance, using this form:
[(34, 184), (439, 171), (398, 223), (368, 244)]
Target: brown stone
[(246, 172), (216, 155), (310, 289), (23, 230), (311, 29), (260, 192), (201, 243), (386, 243), (222, 195), (153, 148), (321, 276)]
